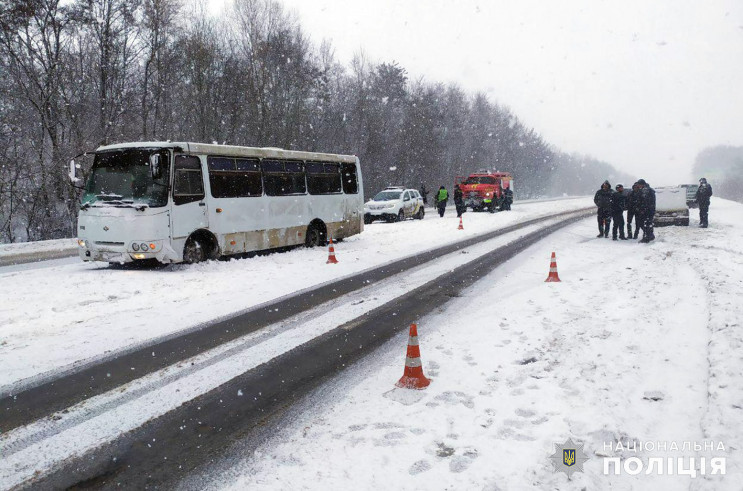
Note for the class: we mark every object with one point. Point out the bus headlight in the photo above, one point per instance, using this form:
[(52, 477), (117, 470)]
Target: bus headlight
[(135, 246), (81, 243), (143, 246)]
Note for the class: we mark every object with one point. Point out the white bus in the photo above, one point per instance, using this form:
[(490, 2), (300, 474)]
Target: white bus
[(187, 202)]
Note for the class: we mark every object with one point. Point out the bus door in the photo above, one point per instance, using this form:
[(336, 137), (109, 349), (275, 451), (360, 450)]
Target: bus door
[(189, 201), (354, 200)]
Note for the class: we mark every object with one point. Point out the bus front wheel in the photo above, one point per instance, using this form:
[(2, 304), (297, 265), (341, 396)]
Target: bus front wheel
[(193, 252)]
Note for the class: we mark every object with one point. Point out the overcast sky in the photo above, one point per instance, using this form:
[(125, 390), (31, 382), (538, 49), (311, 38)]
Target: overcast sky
[(641, 84)]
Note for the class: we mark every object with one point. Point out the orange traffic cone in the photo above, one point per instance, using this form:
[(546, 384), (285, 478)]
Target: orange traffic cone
[(461, 227), (331, 253), (413, 377), (553, 270)]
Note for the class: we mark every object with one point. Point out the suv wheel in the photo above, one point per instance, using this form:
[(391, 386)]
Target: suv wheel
[(400, 216)]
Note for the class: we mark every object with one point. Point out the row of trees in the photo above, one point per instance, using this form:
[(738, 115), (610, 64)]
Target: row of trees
[(78, 74), (723, 167)]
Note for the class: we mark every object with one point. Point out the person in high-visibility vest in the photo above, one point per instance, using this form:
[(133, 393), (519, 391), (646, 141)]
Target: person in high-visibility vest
[(441, 198)]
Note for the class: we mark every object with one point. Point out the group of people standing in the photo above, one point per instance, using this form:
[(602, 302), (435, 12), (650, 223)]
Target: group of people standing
[(442, 197), (639, 204)]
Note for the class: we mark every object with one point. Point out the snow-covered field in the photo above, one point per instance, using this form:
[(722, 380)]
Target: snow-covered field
[(54, 317), (638, 343)]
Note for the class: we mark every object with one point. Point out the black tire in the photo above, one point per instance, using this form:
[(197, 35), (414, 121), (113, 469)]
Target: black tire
[(314, 236), (368, 219), (400, 216), (193, 251), (421, 213)]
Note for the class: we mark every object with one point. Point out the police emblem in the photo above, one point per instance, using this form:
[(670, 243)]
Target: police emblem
[(568, 457)]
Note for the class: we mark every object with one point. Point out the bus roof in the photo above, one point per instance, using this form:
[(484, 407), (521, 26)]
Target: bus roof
[(232, 151)]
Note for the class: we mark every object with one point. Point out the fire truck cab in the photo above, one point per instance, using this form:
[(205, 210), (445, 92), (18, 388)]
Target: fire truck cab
[(487, 190)]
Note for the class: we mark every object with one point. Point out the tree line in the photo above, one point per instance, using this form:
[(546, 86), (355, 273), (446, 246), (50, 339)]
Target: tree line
[(82, 73), (722, 166)]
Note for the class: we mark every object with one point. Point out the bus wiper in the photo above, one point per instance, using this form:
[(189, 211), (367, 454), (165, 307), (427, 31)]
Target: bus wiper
[(109, 197), (115, 199)]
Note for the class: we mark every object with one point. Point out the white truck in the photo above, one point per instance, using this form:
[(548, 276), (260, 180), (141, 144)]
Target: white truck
[(670, 206)]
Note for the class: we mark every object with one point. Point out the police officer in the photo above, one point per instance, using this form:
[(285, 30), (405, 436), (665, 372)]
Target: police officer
[(704, 192), (441, 198), (632, 211), (459, 201), (618, 205), (603, 198), (646, 210)]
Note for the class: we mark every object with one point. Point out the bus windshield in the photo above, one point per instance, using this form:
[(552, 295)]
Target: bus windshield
[(123, 178), (387, 195), (479, 180)]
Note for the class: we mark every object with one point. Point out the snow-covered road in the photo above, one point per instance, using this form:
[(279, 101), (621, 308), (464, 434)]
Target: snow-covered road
[(638, 343), (53, 318)]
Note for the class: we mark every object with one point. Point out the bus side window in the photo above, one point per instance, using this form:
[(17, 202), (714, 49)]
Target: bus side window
[(283, 177), (323, 178), (188, 185), (350, 182), (234, 178)]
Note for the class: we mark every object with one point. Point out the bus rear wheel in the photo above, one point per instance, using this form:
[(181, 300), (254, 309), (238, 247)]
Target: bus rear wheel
[(315, 235), (193, 251)]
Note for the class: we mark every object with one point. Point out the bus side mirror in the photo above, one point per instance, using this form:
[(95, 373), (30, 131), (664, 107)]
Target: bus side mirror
[(155, 168), (72, 173)]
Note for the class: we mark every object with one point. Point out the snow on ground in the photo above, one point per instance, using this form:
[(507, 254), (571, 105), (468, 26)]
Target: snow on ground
[(16, 248), (53, 317), (638, 343), (38, 446)]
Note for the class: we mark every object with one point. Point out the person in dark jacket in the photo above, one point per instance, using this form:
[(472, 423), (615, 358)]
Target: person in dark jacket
[(459, 201), (704, 192), (618, 205), (441, 198), (602, 198), (507, 199), (632, 212), (646, 210), (424, 195)]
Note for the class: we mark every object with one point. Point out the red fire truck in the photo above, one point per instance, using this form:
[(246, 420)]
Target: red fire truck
[(487, 190)]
